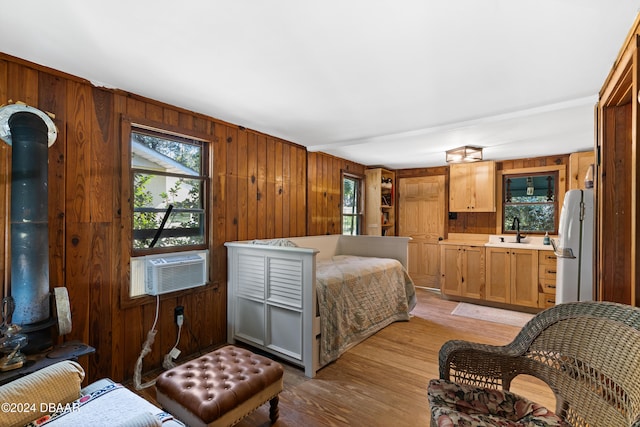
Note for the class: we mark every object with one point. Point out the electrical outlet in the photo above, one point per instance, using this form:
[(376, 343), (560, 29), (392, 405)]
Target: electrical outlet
[(178, 314)]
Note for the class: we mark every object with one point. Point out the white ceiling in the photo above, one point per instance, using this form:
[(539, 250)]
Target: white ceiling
[(379, 82)]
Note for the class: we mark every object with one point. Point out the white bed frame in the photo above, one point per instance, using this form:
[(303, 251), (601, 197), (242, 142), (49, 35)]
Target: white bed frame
[(271, 291)]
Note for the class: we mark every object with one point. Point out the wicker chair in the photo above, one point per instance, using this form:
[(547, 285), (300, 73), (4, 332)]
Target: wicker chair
[(587, 352)]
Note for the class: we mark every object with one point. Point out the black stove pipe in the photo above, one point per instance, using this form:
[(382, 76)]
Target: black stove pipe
[(30, 228)]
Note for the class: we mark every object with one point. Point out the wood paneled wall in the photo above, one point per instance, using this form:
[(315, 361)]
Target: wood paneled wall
[(258, 190), (616, 278), (324, 187)]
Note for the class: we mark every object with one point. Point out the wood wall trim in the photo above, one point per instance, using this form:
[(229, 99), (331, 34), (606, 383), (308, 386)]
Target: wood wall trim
[(617, 176), (617, 89), (634, 30)]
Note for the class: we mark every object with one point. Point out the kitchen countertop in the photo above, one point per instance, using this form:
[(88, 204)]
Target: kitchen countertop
[(494, 241), (465, 242)]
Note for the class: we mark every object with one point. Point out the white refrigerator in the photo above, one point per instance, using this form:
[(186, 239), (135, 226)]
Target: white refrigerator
[(574, 248)]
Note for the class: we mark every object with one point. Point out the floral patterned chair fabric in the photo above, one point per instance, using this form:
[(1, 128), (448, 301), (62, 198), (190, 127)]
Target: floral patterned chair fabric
[(586, 352), (463, 405)]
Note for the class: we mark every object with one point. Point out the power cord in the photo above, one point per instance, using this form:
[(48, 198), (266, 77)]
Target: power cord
[(146, 349), (173, 354), (168, 361)]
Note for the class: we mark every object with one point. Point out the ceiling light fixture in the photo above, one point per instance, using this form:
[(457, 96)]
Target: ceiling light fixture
[(464, 154)]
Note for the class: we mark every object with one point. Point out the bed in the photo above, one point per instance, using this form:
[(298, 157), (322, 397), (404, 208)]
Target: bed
[(309, 299)]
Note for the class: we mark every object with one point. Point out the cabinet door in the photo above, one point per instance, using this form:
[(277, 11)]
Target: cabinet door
[(473, 272), (483, 197), (498, 278), (579, 163), (459, 188), (451, 270), (472, 187), (524, 277)]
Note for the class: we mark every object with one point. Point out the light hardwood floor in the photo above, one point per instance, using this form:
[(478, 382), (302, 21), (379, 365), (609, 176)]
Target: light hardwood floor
[(382, 381)]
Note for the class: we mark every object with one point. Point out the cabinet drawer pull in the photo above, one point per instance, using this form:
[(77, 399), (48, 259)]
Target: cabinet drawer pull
[(551, 286), (551, 271)]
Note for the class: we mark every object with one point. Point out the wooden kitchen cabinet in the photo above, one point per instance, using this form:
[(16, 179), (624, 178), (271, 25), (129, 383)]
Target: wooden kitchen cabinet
[(512, 276), (524, 277), (380, 215), (498, 278), (463, 270), (547, 261), (472, 187), (579, 164)]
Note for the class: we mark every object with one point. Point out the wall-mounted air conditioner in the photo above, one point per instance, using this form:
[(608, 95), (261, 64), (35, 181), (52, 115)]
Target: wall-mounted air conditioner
[(176, 271)]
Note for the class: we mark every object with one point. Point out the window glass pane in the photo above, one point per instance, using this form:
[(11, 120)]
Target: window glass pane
[(349, 196), (531, 199), (157, 153), (153, 194), (168, 191), (350, 224), (533, 218), (351, 210)]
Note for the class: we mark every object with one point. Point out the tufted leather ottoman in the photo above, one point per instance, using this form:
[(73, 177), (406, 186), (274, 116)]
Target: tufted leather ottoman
[(220, 388)]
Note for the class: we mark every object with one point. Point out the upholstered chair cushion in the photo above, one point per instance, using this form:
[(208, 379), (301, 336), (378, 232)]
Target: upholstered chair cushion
[(463, 405), (57, 383)]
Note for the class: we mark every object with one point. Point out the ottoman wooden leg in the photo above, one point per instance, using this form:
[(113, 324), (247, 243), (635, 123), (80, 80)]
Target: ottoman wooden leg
[(274, 412)]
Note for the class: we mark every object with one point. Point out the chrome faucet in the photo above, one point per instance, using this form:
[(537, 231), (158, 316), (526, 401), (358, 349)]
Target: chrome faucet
[(516, 226)]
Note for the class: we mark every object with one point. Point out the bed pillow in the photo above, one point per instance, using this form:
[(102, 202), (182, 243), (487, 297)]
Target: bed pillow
[(58, 383)]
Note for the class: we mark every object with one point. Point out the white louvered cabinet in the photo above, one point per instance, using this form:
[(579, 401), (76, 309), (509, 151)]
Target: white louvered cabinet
[(265, 301)]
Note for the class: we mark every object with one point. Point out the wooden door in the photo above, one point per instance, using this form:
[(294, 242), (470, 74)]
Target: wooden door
[(498, 279), (421, 209), (524, 277)]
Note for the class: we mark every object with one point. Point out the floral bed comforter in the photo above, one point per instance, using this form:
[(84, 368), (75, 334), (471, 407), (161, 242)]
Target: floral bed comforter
[(358, 296)]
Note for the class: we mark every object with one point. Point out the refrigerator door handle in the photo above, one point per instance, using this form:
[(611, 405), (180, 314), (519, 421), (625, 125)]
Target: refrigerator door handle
[(562, 252)]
